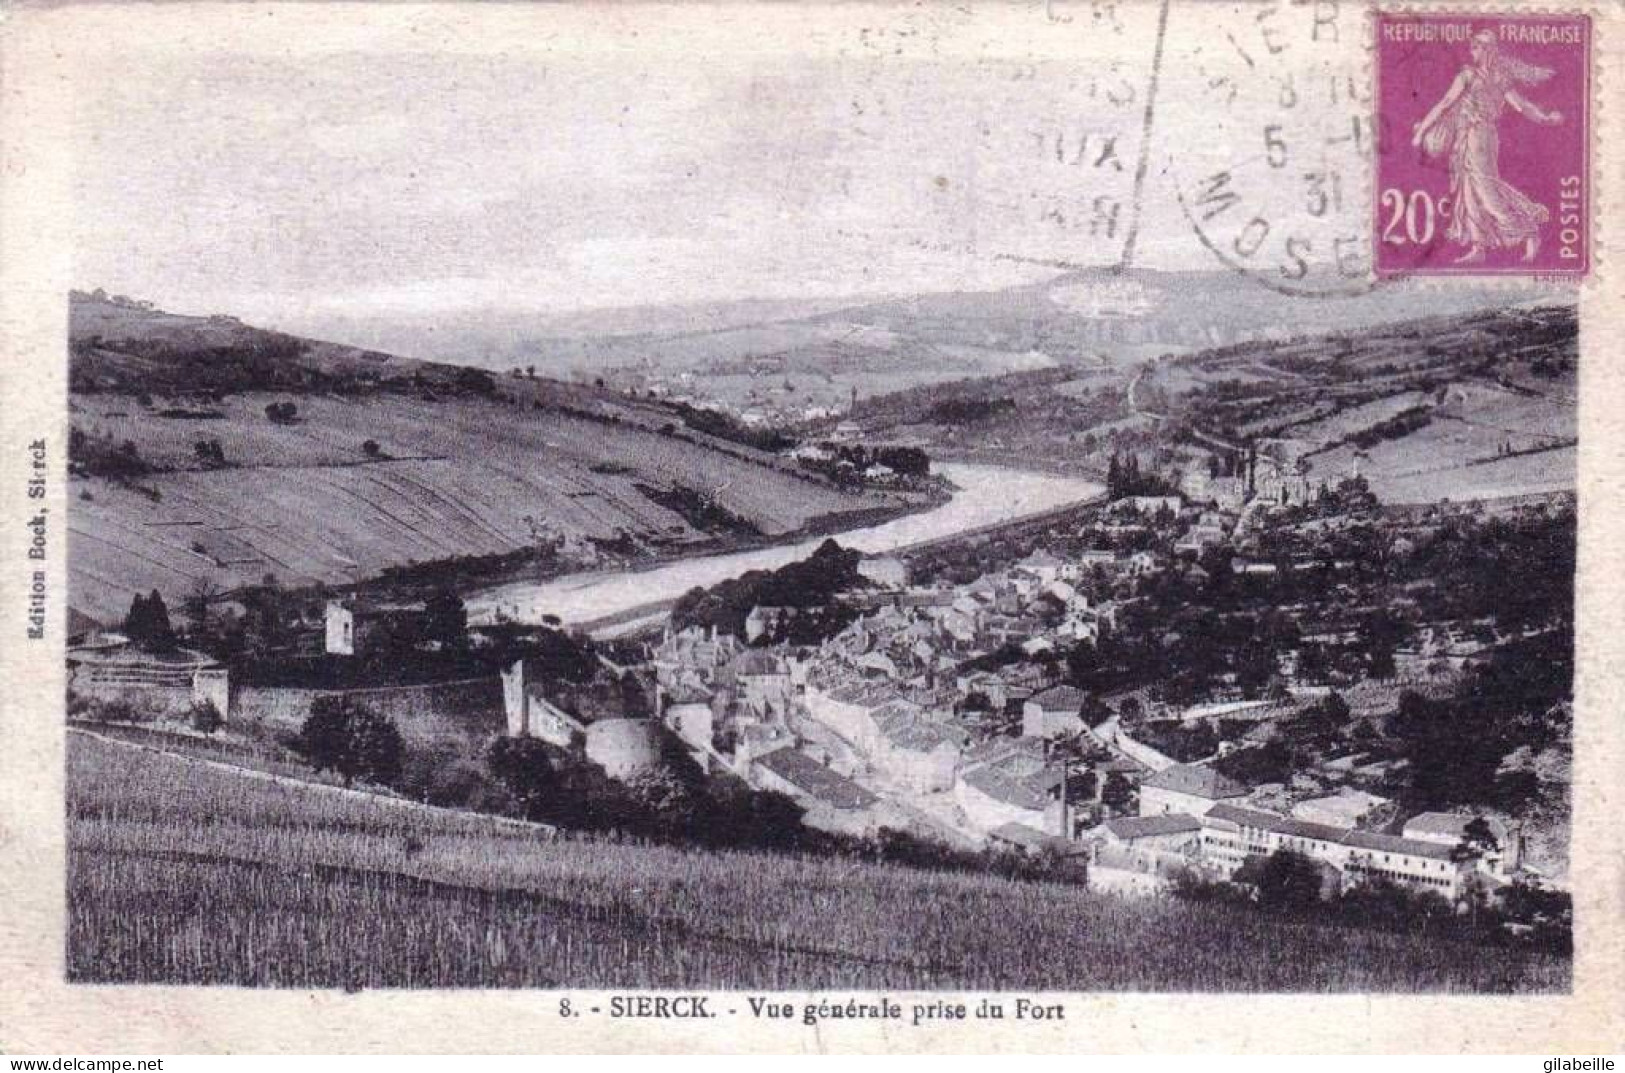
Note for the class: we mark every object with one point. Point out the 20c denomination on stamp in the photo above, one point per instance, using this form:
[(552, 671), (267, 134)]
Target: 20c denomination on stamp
[(1483, 146)]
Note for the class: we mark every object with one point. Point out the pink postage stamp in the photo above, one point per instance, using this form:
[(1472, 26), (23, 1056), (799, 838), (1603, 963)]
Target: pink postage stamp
[(1483, 144)]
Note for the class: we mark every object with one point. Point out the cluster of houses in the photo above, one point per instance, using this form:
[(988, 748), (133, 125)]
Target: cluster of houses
[(1273, 472), (906, 716), (902, 707), (854, 710), (1193, 818), (765, 405)]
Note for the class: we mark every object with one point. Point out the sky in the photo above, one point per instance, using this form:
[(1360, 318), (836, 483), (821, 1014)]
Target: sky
[(305, 164)]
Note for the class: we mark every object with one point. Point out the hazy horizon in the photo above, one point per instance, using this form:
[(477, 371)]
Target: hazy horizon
[(552, 161)]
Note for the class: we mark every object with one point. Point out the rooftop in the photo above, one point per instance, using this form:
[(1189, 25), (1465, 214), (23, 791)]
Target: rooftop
[(909, 728), (816, 780), (1451, 825), (1031, 792), (1269, 821), (1060, 698), (1198, 780), (756, 662), (1128, 828)]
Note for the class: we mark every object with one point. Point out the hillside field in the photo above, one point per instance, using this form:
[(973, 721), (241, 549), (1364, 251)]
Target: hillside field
[(185, 873), (386, 462), (1461, 407)]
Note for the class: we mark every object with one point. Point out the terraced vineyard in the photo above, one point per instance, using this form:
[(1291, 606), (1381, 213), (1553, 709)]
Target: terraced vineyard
[(183, 873), (400, 471)]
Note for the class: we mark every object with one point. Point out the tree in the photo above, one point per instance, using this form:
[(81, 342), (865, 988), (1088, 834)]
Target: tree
[(147, 625), (205, 717), (197, 603), (1477, 839), (345, 736), (1118, 793), (370, 448), (1379, 636), (282, 412), (1288, 881), (446, 620), (525, 769)]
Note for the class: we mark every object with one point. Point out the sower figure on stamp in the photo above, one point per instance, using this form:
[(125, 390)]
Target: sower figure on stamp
[(1486, 211)]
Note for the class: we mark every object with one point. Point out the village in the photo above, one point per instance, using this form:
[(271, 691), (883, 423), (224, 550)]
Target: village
[(1044, 698), (945, 709)]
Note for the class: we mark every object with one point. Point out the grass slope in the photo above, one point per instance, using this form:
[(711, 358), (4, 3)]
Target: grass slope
[(455, 471), (184, 873)]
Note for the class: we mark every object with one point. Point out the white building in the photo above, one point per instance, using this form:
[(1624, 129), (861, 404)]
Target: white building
[(1134, 873), (1053, 713), (888, 572), (1189, 788), (1450, 828), (1231, 835)]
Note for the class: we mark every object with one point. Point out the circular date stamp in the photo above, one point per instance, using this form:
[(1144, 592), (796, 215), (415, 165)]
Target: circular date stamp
[(1277, 189)]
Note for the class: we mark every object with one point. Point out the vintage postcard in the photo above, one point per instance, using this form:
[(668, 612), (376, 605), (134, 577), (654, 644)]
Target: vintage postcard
[(1070, 525)]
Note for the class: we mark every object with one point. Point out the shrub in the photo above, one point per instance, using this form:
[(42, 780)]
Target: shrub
[(210, 453), (147, 624), (525, 769), (205, 718), (96, 454), (344, 736), (115, 710)]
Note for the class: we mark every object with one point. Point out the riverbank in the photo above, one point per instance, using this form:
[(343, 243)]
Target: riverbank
[(987, 497)]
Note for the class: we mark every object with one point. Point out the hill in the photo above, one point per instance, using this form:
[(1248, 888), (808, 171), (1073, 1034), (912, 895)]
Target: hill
[(1461, 405), (206, 452), (180, 872), (815, 353), (1075, 314)]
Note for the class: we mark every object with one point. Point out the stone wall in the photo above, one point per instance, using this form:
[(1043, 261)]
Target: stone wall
[(147, 701), (467, 711)]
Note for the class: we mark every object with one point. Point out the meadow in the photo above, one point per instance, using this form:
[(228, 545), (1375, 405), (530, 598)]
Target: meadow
[(185, 873)]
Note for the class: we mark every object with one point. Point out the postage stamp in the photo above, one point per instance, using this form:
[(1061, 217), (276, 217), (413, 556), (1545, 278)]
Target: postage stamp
[(1484, 144)]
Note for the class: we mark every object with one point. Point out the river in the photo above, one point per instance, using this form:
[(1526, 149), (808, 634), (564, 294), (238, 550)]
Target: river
[(987, 495)]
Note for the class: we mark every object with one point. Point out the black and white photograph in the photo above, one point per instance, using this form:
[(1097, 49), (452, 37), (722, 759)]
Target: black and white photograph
[(924, 498)]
